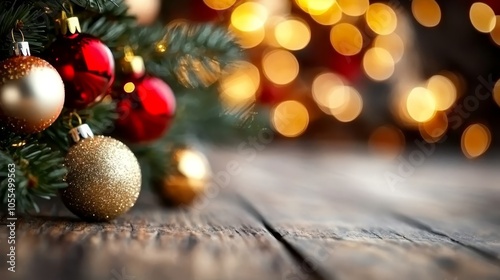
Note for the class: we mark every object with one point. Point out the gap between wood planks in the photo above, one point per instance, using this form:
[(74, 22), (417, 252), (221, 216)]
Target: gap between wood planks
[(316, 272), (485, 254)]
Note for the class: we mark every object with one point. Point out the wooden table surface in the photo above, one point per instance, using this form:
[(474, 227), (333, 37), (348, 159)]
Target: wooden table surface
[(287, 213)]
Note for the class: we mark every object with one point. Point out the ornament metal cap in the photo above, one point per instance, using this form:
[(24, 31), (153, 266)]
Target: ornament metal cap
[(68, 25), (19, 48), (80, 132), (133, 64)]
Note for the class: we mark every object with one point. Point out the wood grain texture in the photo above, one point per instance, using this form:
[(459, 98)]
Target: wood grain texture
[(220, 242), (289, 212), (340, 214)]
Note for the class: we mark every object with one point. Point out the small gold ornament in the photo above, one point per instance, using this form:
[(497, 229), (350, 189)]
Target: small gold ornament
[(187, 177), (31, 91), (104, 177)]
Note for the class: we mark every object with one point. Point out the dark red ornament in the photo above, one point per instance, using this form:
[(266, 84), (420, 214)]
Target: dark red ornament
[(146, 108), (86, 66)]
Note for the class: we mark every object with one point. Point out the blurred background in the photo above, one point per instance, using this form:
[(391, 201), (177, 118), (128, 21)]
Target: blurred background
[(384, 75)]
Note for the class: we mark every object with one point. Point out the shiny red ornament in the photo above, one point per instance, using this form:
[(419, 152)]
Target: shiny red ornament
[(146, 108), (86, 66)]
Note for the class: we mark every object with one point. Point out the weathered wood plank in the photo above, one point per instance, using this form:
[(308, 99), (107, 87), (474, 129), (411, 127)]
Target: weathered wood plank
[(337, 210), (220, 242)]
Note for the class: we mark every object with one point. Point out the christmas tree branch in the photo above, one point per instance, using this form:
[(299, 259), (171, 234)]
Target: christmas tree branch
[(33, 169)]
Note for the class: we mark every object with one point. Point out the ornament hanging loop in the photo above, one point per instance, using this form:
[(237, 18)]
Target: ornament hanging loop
[(19, 48), (12, 34), (75, 115), (67, 6)]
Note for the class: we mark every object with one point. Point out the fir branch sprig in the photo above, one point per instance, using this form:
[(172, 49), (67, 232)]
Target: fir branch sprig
[(39, 172), (195, 54)]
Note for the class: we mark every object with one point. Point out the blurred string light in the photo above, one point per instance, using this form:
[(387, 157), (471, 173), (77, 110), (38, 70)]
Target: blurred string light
[(346, 39), (426, 12), (495, 33), (350, 105), (219, 4), (330, 17), (496, 92), (378, 64), (280, 67), (434, 129), (353, 7), (292, 34), (482, 17), (249, 16), (315, 7), (420, 104), (241, 86), (393, 44), (323, 89), (249, 39), (290, 118), (387, 141), (443, 91), (381, 19), (476, 140)]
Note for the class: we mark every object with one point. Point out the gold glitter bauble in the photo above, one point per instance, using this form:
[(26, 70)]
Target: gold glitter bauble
[(31, 94), (187, 177), (104, 179)]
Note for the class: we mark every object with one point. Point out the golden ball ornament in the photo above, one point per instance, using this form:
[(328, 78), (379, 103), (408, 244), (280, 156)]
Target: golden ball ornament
[(104, 179), (31, 94), (146, 11), (187, 177)]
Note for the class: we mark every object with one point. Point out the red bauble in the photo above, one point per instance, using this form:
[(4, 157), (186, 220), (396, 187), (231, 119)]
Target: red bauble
[(86, 66), (146, 107)]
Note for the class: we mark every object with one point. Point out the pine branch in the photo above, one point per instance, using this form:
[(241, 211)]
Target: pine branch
[(195, 55), (38, 170), (28, 17)]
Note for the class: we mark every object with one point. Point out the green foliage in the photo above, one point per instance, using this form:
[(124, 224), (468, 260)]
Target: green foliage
[(39, 171)]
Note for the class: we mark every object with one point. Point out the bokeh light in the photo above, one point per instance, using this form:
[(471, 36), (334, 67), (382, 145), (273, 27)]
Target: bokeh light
[(378, 64), (219, 4), (426, 12), (323, 87), (443, 91), (434, 129), (392, 43), (482, 17), (387, 141), (346, 39), (249, 39), (420, 104), (345, 103), (315, 7), (496, 92), (193, 164), (495, 33), (351, 104), (330, 17), (241, 85), (280, 66), (476, 140), (354, 7), (381, 19), (129, 87), (249, 16), (292, 34), (290, 118)]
